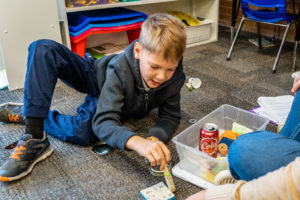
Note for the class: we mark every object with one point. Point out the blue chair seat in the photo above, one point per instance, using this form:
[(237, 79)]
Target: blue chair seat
[(271, 17)]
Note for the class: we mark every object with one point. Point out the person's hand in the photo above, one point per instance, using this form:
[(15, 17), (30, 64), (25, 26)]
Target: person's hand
[(198, 196), (296, 85), (151, 148)]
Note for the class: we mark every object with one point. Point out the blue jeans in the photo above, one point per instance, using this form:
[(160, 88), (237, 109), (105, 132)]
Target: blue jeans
[(47, 62), (255, 154)]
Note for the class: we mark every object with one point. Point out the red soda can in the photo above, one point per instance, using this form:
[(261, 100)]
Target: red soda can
[(208, 141)]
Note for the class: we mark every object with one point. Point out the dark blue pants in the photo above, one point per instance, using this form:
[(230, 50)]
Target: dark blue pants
[(47, 62)]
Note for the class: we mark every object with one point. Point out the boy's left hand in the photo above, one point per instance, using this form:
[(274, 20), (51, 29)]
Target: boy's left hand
[(151, 148), (159, 153)]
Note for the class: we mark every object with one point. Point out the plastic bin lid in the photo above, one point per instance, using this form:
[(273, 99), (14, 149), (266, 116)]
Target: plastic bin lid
[(115, 23), (78, 20)]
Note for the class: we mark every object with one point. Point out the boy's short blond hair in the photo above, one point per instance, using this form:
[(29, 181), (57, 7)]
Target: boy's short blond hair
[(163, 34)]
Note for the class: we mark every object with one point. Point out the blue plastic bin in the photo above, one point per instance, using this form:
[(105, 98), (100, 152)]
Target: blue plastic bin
[(112, 23), (79, 20)]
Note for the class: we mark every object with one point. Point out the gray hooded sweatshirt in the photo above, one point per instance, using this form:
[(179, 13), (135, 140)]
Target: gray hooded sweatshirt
[(122, 96)]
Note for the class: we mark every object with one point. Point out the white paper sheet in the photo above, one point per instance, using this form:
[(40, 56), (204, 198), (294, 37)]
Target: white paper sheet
[(275, 108)]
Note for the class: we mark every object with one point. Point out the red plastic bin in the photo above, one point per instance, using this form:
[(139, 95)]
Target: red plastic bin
[(78, 43)]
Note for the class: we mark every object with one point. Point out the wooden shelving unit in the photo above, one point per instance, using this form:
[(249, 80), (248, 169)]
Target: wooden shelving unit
[(208, 9), (114, 5)]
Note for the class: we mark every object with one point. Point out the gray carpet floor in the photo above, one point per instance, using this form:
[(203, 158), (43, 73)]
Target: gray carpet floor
[(74, 172)]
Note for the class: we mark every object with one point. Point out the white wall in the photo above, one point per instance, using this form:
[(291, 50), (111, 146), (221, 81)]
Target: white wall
[(22, 22), (1, 59)]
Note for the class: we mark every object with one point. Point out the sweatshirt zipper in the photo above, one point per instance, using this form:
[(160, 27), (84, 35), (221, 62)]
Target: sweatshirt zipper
[(147, 101)]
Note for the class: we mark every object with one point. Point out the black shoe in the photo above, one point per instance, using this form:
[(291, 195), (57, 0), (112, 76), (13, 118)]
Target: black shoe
[(27, 153), (11, 113)]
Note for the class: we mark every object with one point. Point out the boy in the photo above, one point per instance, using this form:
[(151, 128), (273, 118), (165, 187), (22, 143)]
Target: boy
[(147, 75)]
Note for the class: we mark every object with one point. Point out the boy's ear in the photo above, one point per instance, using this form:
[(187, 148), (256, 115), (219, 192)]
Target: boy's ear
[(137, 50)]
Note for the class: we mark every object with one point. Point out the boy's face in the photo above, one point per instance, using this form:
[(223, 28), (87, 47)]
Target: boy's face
[(154, 68)]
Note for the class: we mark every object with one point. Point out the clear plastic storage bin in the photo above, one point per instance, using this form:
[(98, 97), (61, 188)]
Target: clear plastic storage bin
[(198, 163)]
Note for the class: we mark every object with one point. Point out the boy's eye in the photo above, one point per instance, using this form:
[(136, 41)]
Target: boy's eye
[(171, 70), (154, 67)]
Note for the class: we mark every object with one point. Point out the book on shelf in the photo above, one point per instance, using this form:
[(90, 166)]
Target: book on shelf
[(106, 49)]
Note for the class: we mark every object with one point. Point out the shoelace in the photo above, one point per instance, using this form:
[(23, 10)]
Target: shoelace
[(17, 152), (14, 118)]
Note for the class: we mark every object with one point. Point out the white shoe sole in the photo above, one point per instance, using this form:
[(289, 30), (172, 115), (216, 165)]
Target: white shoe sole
[(12, 103)]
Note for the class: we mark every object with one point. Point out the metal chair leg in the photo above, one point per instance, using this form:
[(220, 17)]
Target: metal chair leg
[(295, 55), (259, 35), (232, 33), (235, 38), (280, 48), (274, 34)]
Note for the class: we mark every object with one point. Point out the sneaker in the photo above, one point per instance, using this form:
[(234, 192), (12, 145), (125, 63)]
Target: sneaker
[(27, 153), (224, 177), (11, 113)]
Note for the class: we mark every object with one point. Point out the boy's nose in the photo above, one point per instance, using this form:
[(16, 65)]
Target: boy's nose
[(162, 76)]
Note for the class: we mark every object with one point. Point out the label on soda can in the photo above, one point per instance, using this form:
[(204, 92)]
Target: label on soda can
[(208, 140)]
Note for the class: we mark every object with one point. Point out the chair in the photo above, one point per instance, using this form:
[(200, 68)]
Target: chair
[(269, 12)]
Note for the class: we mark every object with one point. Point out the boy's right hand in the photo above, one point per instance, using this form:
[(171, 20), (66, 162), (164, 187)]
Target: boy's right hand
[(152, 149)]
